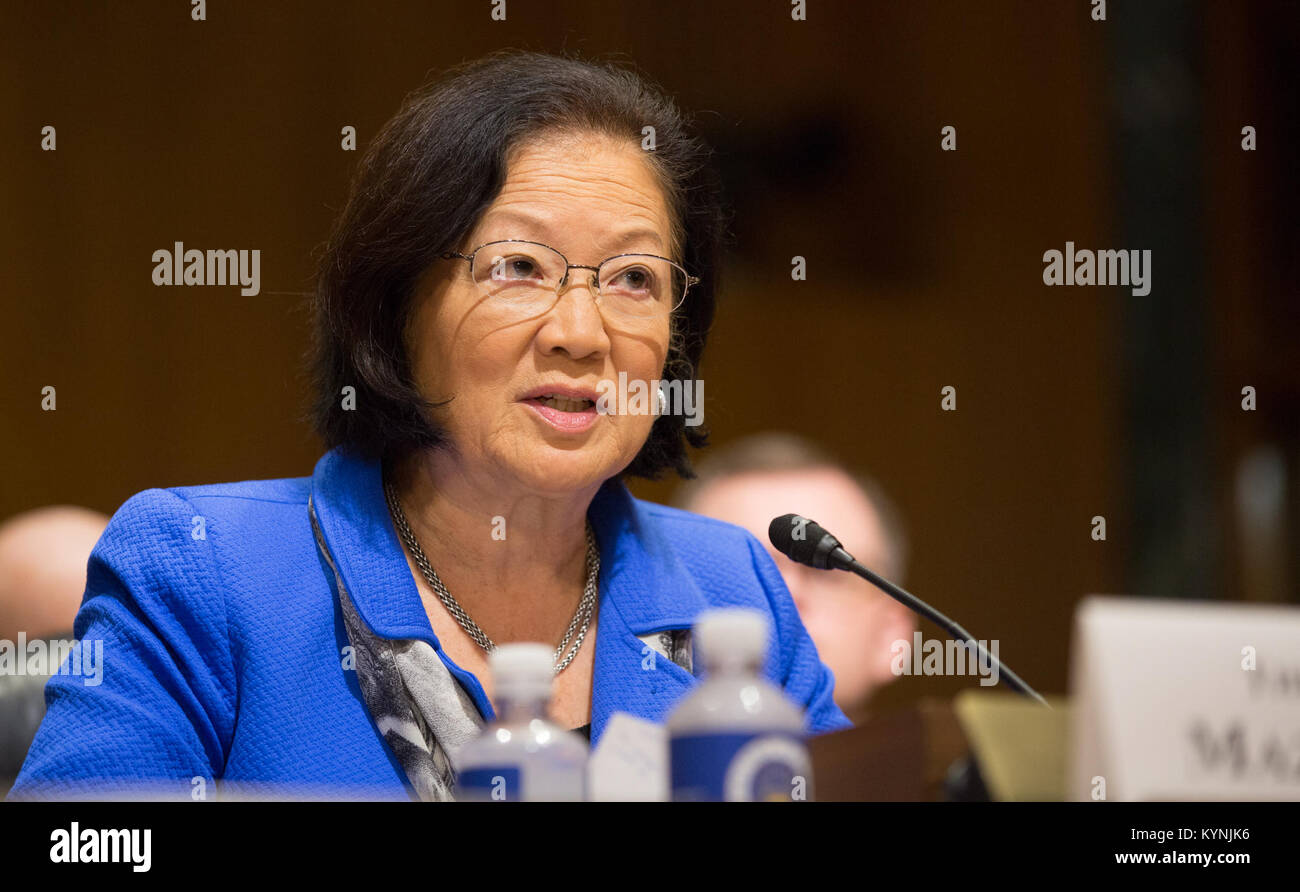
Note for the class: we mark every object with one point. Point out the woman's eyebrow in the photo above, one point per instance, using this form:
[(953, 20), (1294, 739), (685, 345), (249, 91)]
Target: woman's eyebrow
[(633, 235), (496, 218), (543, 231)]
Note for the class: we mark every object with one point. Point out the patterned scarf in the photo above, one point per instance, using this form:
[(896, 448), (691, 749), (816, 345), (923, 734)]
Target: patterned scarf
[(422, 712)]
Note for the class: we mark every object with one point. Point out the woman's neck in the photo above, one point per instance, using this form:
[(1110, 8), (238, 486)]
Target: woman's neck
[(514, 560)]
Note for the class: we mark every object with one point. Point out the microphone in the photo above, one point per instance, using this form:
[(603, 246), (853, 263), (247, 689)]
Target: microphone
[(806, 542)]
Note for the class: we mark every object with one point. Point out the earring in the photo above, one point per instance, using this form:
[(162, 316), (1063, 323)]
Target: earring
[(663, 402)]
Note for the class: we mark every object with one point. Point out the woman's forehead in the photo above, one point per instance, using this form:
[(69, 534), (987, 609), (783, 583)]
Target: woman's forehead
[(601, 188)]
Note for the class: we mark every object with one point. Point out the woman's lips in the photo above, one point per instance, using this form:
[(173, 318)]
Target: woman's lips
[(562, 420)]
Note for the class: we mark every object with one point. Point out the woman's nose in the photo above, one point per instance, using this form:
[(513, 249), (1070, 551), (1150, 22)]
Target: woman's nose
[(574, 324)]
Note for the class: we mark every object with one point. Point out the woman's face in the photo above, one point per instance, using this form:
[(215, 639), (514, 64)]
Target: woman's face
[(590, 197)]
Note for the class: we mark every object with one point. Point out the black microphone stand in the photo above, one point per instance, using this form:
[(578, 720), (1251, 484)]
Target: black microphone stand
[(815, 547), (1015, 682)]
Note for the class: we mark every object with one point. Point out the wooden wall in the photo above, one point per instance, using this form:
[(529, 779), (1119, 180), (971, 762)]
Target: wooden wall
[(924, 266)]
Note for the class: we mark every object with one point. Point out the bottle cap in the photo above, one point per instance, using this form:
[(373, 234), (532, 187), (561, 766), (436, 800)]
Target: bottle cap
[(523, 671), (732, 636)]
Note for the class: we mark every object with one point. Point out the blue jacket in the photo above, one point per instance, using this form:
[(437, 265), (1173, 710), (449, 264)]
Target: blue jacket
[(222, 636)]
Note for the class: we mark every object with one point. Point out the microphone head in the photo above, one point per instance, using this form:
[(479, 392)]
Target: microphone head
[(802, 540)]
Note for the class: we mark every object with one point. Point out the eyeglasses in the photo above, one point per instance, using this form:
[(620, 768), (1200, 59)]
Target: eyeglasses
[(528, 276)]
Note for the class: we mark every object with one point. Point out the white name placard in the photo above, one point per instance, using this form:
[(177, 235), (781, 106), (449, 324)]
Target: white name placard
[(1184, 700)]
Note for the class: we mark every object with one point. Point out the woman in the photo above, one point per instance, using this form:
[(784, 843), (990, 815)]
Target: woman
[(513, 244)]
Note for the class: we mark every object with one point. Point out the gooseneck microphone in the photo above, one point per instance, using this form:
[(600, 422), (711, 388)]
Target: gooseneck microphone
[(805, 542)]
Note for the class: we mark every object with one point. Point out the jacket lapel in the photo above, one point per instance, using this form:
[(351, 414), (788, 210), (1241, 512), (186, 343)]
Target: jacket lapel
[(644, 588), (348, 497)]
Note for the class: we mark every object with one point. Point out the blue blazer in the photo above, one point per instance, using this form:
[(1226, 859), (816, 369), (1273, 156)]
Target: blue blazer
[(222, 636)]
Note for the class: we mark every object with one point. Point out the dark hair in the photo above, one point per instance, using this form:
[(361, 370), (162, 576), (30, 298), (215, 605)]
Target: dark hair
[(420, 189)]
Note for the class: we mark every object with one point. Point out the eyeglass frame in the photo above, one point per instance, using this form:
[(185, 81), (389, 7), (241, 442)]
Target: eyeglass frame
[(690, 280)]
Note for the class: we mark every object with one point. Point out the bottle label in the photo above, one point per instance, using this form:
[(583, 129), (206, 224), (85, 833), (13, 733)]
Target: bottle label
[(494, 783), (764, 767)]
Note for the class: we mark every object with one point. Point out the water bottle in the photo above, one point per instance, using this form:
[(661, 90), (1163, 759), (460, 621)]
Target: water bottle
[(736, 737), (522, 756)]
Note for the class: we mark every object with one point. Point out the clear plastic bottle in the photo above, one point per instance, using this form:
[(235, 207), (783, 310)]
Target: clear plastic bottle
[(736, 737), (522, 755)]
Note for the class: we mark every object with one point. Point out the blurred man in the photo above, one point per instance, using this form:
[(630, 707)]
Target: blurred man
[(853, 624), (43, 555)]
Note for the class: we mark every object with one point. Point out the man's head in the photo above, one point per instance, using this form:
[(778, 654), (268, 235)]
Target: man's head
[(43, 555), (853, 625)]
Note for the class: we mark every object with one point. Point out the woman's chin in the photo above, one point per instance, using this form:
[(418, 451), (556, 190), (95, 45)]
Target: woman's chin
[(559, 471)]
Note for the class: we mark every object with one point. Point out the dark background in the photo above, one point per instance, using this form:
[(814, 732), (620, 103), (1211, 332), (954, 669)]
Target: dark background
[(925, 267)]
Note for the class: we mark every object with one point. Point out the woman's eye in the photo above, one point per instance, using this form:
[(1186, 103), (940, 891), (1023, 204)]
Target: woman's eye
[(514, 268), (522, 268), (636, 279)]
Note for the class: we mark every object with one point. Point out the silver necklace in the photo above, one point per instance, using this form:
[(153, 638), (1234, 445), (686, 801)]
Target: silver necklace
[(581, 615)]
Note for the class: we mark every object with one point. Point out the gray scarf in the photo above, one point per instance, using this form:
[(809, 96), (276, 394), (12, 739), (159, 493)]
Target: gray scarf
[(422, 712)]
